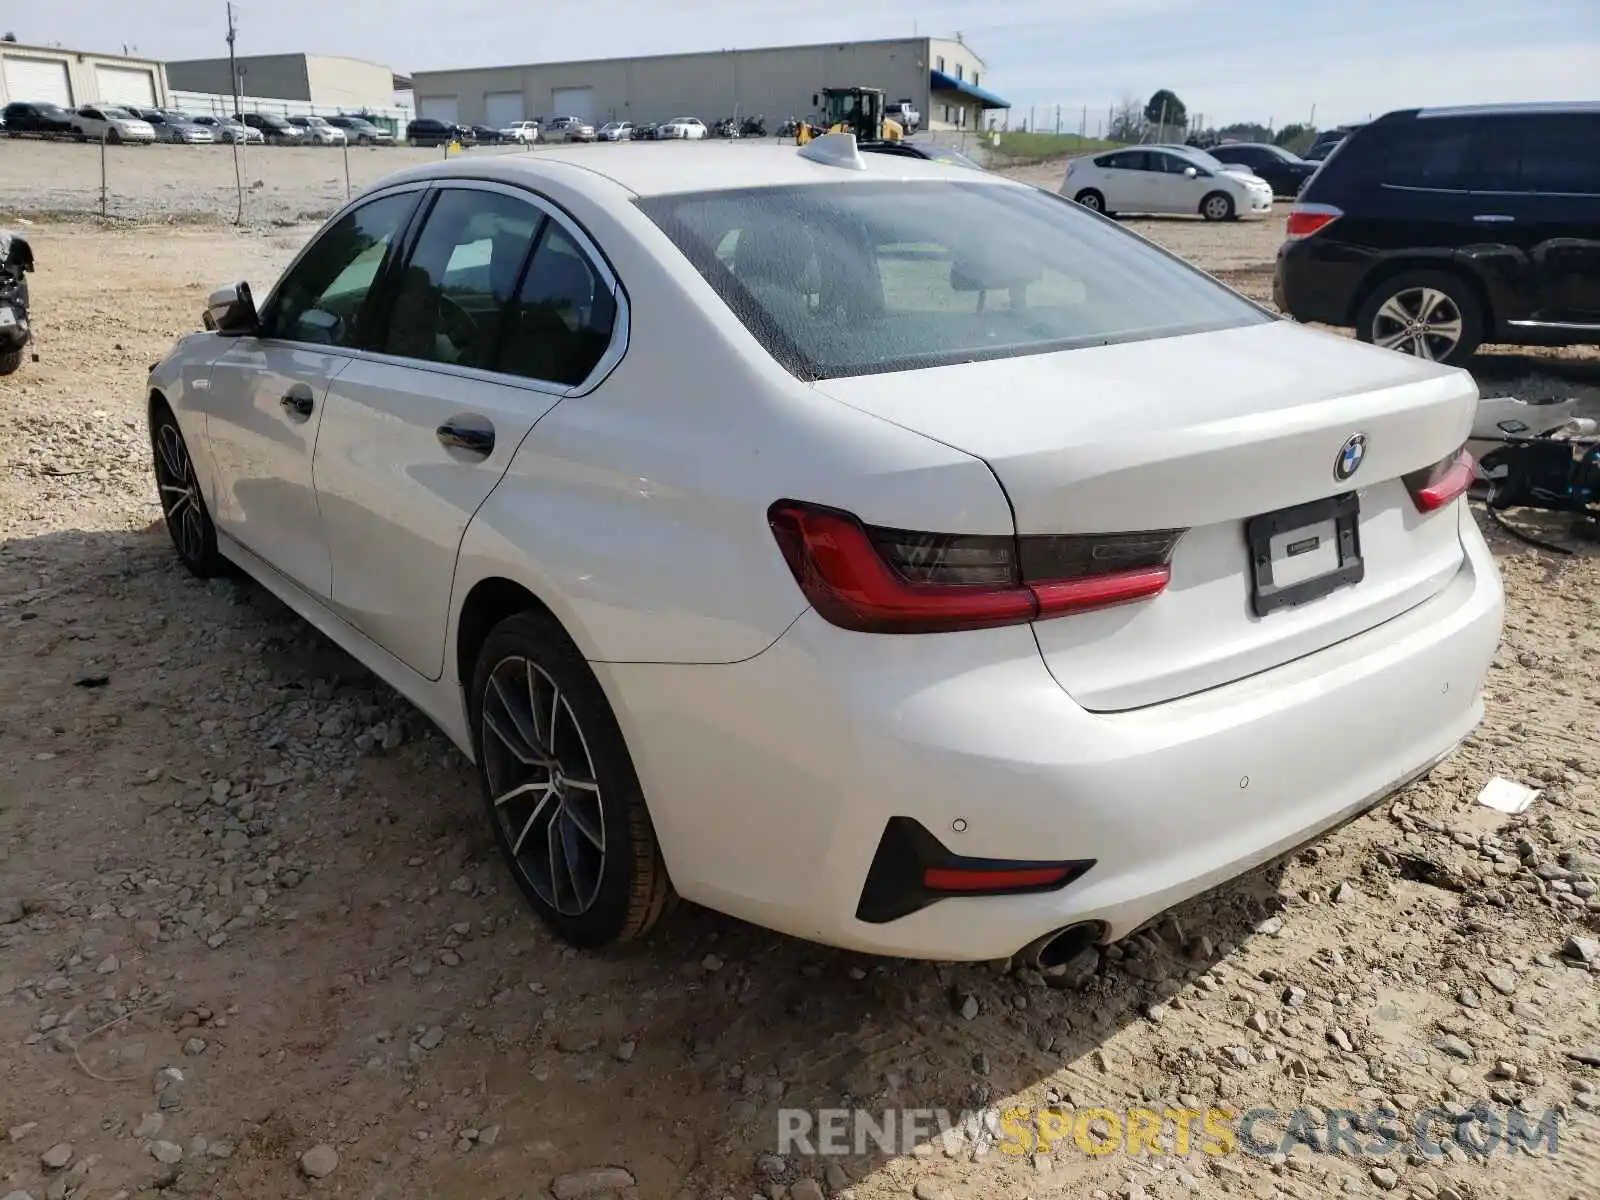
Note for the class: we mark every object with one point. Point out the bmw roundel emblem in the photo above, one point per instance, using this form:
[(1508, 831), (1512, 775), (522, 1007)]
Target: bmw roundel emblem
[(1350, 456)]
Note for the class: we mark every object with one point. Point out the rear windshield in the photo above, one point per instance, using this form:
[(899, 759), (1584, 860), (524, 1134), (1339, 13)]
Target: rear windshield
[(892, 276)]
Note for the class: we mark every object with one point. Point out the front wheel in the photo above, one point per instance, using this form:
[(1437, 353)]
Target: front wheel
[(10, 361), (1428, 314), (189, 524), (1218, 206), (563, 798)]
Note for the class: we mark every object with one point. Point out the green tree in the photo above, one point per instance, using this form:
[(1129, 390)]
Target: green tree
[(1165, 107)]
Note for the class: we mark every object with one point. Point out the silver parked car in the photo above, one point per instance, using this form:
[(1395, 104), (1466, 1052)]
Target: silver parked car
[(226, 129), (178, 127)]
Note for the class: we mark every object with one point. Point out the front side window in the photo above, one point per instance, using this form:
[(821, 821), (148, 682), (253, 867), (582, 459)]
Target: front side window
[(461, 278), (892, 276), (321, 299)]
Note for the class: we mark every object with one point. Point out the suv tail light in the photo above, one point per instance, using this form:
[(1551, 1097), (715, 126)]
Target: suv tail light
[(1435, 486), (896, 581), (1306, 219)]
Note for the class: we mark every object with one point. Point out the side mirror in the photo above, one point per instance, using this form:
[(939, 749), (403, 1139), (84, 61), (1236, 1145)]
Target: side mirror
[(1191, 173), (231, 311)]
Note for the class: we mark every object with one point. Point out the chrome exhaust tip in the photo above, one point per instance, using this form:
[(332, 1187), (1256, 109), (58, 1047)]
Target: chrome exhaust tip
[(1061, 947)]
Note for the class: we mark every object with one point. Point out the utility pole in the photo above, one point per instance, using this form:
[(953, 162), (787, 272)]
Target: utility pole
[(233, 70)]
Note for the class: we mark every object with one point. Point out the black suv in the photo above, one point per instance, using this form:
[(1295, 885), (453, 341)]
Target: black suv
[(1430, 231), (43, 120), (425, 131)]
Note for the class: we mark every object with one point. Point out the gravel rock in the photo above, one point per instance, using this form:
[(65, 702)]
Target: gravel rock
[(967, 1006), (12, 910), (1585, 950), (166, 1152), (431, 1038), (596, 1181), (1456, 1048), (806, 1189), (1501, 980), (57, 1157), (319, 1162), (1385, 1177), (149, 1126), (927, 1189)]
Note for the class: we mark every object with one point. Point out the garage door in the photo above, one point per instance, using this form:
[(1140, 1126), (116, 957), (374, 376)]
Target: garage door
[(504, 108), (439, 108), (573, 102), (126, 85), (43, 80)]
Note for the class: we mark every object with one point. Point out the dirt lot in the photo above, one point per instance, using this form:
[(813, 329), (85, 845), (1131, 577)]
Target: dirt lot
[(249, 908)]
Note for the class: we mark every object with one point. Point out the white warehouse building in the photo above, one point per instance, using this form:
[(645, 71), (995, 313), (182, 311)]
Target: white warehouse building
[(73, 78), (941, 77)]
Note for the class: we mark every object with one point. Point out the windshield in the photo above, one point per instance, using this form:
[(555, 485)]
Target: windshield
[(893, 276), (119, 114)]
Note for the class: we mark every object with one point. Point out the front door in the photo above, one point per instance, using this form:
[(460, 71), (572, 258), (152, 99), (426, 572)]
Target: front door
[(1171, 186), (498, 313), (266, 392)]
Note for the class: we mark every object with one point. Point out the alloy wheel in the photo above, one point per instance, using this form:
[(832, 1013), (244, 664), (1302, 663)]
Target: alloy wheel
[(1217, 208), (1421, 320), (180, 493), (543, 785)]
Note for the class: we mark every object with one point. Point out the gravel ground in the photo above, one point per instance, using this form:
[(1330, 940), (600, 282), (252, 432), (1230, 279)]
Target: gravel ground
[(254, 941)]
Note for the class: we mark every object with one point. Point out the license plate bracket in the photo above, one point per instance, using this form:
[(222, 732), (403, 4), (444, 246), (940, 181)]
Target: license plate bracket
[(1275, 538)]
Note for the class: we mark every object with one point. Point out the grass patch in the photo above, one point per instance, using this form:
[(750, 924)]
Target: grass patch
[(1018, 147)]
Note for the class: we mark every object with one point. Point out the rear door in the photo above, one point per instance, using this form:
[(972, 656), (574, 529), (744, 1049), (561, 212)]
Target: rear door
[(1123, 179), (1558, 214), (500, 310)]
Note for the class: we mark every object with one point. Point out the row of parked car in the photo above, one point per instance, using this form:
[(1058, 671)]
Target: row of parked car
[(125, 124), (427, 131)]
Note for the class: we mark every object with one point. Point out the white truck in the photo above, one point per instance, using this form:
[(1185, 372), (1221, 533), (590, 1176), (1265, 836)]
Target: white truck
[(906, 114)]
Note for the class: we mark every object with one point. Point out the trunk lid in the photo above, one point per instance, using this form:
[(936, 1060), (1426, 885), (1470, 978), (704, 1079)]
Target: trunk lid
[(1203, 432)]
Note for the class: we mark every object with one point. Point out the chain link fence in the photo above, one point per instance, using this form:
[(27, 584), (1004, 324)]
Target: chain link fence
[(251, 185)]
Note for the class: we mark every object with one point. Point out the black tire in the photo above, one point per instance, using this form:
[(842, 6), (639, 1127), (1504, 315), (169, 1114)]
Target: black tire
[(1092, 200), (113, 137), (608, 884), (1217, 206), (1423, 298), (183, 506), (10, 361)]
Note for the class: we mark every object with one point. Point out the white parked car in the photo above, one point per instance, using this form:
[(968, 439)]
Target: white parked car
[(1015, 581), (94, 122), (616, 131), (318, 132), (1165, 179), (682, 127), (523, 132)]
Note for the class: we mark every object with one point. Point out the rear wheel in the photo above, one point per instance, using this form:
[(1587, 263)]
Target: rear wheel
[(1429, 314), (10, 361), (563, 798), (1218, 206), (1092, 200)]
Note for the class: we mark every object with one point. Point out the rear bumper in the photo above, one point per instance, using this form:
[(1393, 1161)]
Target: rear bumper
[(771, 781), (1317, 280)]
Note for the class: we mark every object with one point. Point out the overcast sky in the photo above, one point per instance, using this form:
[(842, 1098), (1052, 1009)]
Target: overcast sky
[(1227, 59)]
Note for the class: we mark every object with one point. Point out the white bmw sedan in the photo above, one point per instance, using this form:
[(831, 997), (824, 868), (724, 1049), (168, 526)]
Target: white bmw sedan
[(883, 552), (1165, 179)]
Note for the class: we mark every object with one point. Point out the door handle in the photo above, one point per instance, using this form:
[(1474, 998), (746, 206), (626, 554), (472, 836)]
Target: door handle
[(456, 434), (1494, 219), (297, 403)]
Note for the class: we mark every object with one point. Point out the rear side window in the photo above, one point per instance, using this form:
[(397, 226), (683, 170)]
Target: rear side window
[(1561, 153), (893, 276)]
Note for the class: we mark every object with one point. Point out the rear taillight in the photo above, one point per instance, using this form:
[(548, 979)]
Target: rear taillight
[(1306, 219), (1436, 486), (895, 581)]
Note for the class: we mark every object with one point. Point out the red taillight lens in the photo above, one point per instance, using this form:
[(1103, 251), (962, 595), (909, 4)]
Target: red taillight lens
[(1004, 879), (897, 581), (1434, 487), (1306, 219)]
